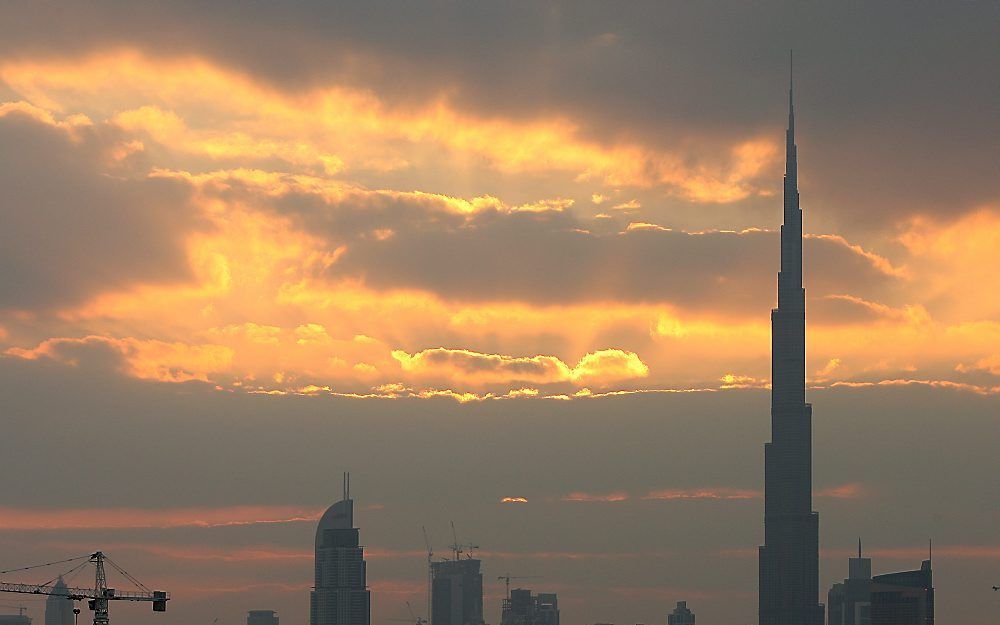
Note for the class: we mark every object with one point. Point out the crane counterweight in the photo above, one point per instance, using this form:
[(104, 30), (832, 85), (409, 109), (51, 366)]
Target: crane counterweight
[(97, 597)]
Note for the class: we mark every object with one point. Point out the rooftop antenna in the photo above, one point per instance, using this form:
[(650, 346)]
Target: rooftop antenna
[(791, 81), (859, 547), (930, 549)]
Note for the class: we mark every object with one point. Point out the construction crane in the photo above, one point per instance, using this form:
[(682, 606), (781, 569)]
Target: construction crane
[(99, 596), (20, 608), (458, 548), (430, 555), (413, 620), (506, 580)]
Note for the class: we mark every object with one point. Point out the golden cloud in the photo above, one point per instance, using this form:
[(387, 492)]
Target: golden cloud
[(146, 359), (601, 367), (171, 100)]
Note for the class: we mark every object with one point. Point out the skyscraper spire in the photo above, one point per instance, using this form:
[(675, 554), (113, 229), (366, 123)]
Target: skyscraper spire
[(789, 558), (791, 77)]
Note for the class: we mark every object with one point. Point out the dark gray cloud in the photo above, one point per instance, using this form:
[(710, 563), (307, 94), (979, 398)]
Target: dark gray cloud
[(556, 257), (552, 257), (71, 228)]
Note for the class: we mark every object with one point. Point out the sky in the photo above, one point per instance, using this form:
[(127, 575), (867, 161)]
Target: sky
[(483, 251)]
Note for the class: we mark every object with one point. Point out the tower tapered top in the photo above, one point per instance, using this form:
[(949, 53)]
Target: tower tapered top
[(791, 92)]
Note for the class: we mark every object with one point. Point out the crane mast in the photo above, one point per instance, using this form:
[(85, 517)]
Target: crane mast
[(100, 595)]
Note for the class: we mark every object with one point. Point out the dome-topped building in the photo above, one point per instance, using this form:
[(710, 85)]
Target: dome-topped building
[(340, 595)]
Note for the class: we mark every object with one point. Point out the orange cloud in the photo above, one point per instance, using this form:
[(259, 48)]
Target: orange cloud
[(844, 491), (600, 367), (990, 363), (948, 384), (122, 518), (250, 316), (167, 98), (598, 498), (514, 500), (145, 359), (703, 493)]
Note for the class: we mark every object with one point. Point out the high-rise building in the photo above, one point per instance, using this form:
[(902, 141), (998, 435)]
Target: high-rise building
[(789, 558), (905, 598), (340, 595), (262, 617), (849, 603), (457, 592), (523, 608), (15, 619), (682, 615), (58, 605)]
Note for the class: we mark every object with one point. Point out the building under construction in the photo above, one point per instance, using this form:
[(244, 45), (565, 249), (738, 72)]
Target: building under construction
[(457, 592), (524, 608)]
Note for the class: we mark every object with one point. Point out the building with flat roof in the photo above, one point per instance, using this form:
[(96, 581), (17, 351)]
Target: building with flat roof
[(262, 617), (524, 608), (457, 592), (905, 598)]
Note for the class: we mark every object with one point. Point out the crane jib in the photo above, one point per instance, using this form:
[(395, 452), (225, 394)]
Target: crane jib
[(97, 597)]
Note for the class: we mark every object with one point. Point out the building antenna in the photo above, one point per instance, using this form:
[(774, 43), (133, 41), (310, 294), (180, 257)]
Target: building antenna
[(930, 549), (791, 78), (859, 547)]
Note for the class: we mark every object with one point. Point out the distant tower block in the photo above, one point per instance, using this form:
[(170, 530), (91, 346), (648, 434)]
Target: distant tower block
[(58, 605), (341, 595), (905, 598), (457, 592), (262, 617), (681, 615), (524, 608)]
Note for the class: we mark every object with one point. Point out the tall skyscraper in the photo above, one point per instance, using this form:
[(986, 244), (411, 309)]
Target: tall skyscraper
[(849, 602), (789, 558), (262, 617), (58, 606), (457, 592), (682, 615), (341, 595)]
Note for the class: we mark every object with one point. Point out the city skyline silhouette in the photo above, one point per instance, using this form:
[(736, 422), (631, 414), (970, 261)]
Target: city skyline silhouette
[(510, 266)]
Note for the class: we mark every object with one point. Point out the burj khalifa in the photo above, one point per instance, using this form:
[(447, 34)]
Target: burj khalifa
[(789, 558)]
